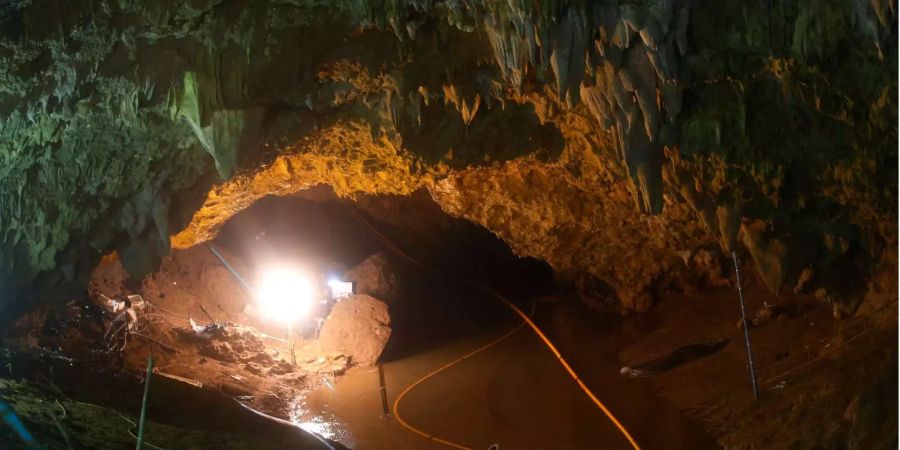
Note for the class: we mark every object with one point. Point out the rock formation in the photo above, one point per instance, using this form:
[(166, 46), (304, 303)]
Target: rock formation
[(375, 277), (609, 138), (359, 327)]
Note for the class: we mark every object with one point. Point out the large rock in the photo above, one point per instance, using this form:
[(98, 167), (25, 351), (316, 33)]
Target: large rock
[(359, 327), (374, 277)]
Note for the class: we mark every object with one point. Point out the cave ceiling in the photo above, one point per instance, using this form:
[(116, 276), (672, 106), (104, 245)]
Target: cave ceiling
[(638, 142)]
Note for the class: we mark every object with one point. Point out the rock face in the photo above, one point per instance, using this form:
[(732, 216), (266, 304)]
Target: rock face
[(608, 138), (359, 327)]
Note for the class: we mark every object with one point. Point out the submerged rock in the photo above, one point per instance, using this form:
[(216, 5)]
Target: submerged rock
[(359, 327)]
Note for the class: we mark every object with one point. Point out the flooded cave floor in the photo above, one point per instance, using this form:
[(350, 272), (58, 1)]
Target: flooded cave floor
[(825, 383)]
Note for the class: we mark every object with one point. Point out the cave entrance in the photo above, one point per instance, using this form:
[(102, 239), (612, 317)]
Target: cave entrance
[(405, 251), (402, 250), (414, 314)]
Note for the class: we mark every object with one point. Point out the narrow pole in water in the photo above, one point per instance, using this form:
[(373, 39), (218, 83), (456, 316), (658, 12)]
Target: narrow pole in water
[(737, 272), (140, 436), (384, 402)]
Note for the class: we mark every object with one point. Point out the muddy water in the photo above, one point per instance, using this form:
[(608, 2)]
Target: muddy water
[(591, 343), (515, 394), (320, 421)]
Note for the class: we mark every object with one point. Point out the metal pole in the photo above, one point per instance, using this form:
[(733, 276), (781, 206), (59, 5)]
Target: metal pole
[(291, 341), (737, 272), (140, 436), (384, 402)]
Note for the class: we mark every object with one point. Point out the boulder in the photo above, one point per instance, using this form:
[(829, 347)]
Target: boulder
[(374, 276), (359, 327)]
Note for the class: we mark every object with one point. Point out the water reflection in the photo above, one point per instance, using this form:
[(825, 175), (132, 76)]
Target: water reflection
[(324, 424)]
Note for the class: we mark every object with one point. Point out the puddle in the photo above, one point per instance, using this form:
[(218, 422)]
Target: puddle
[(322, 423)]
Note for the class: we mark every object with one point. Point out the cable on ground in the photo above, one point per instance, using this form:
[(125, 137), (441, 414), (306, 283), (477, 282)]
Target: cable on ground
[(387, 242)]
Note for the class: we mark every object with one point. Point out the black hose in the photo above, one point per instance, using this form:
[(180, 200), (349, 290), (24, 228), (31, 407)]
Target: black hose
[(286, 423)]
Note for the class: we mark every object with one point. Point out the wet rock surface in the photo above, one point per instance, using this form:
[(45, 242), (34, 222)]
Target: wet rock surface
[(359, 327)]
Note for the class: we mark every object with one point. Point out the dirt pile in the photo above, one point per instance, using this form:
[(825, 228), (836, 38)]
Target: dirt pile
[(186, 280), (191, 323), (193, 277), (232, 343), (359, 327)]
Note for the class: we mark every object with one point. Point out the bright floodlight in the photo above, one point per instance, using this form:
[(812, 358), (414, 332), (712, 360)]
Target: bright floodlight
[(285, 294)]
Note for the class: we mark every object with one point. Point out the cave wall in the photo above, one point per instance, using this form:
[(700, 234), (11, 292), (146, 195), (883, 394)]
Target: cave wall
[(639, 142)]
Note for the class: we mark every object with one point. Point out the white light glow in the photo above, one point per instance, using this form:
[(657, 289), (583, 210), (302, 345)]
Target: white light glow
[(285, 294), (340, 289)]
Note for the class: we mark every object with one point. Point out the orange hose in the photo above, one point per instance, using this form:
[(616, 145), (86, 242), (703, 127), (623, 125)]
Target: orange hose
[(405, 424), (526, 320), (568, 368)]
